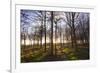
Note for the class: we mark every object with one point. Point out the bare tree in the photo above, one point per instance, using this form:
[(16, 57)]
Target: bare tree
[(71, 18)]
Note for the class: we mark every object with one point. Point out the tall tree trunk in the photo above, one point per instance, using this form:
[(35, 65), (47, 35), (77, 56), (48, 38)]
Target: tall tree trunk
[(38, 42), (41, 31), (60, 37), (71, 38), (33, 43), (73, 30), (55, 37), (52, 17), (63, 40), (24, 40), (45, 29)]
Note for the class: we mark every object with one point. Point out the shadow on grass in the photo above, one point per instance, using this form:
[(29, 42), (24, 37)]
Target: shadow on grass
[(62, 54)]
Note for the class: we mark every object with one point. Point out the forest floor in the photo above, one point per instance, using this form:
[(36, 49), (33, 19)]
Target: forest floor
[(62, 54)]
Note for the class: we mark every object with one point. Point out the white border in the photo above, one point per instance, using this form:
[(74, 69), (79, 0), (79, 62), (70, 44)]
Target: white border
[(17, 66)]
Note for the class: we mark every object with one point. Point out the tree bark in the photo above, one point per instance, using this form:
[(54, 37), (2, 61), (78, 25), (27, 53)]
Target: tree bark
[(73, 30), (45, 29), (55, 36), (52, 17), (24, 40), (41, 32)]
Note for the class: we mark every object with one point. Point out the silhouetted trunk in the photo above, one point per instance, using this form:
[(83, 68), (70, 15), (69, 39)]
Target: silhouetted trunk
[(45, 29), (63, 41), (33, 42), (55, 37), (24, 40), (60, 37), (38, 42), (35, 39), (52, 32), (41, 32), (73, 30), (88, 30), (71, 38)]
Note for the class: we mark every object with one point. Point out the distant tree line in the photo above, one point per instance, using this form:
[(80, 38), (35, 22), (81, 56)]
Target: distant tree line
[(45, 28)]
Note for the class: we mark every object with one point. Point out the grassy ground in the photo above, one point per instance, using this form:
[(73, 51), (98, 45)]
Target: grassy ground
[(66, 53)]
